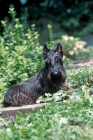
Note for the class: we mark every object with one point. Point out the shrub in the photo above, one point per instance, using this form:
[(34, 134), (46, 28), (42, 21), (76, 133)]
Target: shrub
[(20, 53), (81, 76)]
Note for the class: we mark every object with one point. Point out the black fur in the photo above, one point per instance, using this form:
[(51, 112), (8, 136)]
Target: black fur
[(50, 79)]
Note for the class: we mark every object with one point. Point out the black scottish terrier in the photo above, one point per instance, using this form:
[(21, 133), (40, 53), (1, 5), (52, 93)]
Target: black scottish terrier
[(50, 79)]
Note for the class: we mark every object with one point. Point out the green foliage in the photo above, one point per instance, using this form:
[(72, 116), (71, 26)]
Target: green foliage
[(50, 41), (55, 97), (20, 53), (81, 76), (68, 121)]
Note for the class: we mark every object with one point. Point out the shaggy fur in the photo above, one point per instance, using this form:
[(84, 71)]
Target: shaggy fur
[(50, 79)]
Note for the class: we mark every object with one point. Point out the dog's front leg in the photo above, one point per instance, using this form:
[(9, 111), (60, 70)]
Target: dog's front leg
[(64, 87)]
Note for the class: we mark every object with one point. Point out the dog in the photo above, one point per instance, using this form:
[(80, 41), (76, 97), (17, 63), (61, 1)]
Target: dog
[(50, 79)]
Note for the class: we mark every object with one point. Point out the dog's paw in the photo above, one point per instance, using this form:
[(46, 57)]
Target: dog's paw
[(64, 87)]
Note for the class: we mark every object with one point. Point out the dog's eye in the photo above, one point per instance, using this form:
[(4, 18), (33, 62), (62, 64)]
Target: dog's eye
[(60, 61), (57, 59)]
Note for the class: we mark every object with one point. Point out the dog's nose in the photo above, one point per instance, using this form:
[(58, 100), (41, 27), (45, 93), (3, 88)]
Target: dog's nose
[(56, 73)]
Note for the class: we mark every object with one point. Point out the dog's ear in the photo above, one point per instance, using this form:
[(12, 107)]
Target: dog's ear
[(45, 51), (59, 49)]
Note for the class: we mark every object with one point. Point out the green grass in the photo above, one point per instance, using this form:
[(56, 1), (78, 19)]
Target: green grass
[(58, 121)]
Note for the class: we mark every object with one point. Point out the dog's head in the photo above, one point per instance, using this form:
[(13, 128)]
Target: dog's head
[(54, 64)]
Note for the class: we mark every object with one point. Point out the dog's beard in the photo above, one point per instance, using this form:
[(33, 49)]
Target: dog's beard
[(54, 80)]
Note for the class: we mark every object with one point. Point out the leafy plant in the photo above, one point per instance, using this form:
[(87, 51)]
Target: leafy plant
[(56, 121), (20, 53), (50, 41), (81, 76)]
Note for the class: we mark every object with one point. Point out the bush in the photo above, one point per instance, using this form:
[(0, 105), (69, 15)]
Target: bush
[(20, 53), (81, 76)]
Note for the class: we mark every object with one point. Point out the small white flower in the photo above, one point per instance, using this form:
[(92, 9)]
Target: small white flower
[(63, 120)]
